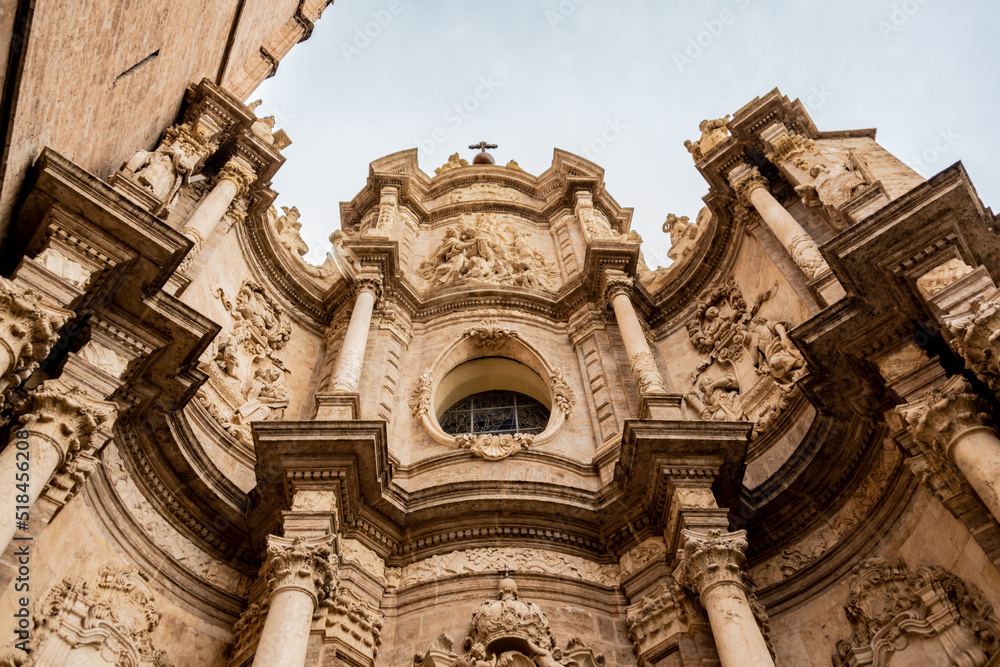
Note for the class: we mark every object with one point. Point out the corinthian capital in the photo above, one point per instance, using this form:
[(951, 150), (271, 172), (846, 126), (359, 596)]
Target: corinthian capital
[(617, 283), (68, 418), (942, 414), (28, 330), (306, 564), (240, 174), (709, 559), (745, 181), (369, 282)]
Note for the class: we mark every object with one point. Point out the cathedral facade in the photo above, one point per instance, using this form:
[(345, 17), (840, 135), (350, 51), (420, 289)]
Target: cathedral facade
[(484, 433)]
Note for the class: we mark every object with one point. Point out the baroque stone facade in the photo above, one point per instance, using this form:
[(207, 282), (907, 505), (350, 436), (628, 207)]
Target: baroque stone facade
[(483, 433)]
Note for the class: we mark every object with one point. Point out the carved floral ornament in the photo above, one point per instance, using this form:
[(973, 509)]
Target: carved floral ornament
[(491, 334), (943, 414), (117, 620), (508, 632), (904, 616)]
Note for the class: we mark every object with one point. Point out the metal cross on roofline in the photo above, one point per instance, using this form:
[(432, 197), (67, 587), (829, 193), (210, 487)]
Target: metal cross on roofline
[(482, 146)]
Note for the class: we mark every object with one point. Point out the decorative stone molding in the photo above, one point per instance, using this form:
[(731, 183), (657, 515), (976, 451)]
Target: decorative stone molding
[(517, 628), (709, 559), (902, 617), (657, 618), (563, 398), (813, 546), (942, 276), (348, 619), (479, 192), (246, 632), (420, 398), (494, 559), (28, 330), (305, 564), (118, 621), (941, 415), (494, 447), (635, 559), (370, 282), (162, 533), (491, 334), (57, 262), (788, 146), (353, 551), (746, 183)]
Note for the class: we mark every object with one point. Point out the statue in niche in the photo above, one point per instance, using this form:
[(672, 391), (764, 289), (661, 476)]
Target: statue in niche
[(773, 353), (482, 249), (166, 169), (717, 400)]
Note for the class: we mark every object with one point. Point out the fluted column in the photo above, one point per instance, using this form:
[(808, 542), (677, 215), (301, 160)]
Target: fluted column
[(647, 376), (752, 190), (711, 564), (61, 425), (952, 421), (235, 178), (347, 372), (28, 330), (300, 573)]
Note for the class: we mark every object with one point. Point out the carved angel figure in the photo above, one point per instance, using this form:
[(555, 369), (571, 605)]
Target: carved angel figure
[(773, 352), (717, 400)]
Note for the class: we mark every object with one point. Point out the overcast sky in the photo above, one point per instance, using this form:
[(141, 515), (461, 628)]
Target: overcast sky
[(624, 84)]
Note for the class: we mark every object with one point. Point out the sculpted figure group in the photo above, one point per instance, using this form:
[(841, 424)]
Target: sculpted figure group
[(485, 251)]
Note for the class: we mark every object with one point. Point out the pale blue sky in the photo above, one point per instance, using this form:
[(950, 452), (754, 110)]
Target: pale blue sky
[(624, 84)]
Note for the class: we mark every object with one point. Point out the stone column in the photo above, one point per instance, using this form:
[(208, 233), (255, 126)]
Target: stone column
[(347, 372), (752, 190), (300, 572), (61, 425), (234, 179), (28, 330), (950, 421), (647, 376), (711, 564)]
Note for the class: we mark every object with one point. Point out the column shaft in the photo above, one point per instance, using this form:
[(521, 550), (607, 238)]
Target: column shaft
[(352, 353), (43, 459), (644, 370), (285, 636), (778, 219), (737, 637), (976, 452), (211, 209)]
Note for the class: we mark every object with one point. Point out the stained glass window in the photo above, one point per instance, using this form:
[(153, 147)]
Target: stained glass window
[(495, 412)]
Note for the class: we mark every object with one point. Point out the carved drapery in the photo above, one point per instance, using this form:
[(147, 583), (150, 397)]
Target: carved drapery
[(929, 615)]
